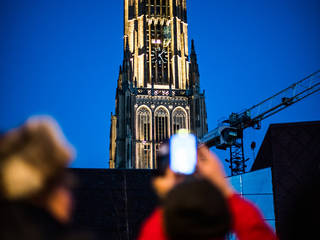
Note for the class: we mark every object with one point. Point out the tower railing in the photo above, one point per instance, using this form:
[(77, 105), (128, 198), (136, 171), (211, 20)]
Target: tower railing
[(162, 92)]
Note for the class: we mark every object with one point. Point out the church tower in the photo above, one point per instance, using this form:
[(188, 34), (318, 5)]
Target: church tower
[(158, 88)]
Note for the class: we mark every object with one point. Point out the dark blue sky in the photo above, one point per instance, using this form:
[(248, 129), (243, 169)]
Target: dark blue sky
[(62, 58)]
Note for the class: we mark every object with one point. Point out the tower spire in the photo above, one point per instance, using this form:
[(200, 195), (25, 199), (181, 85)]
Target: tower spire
[(194, 69), (127, 58), (193, 54), (192, 47), (127, 49), (127, 69)]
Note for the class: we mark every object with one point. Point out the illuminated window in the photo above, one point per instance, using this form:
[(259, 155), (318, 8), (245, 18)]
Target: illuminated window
[(157, 147), (179, 119), (156, 41), (161, 118), (158, 7), (143, 136), (144, 124), (145, 156)]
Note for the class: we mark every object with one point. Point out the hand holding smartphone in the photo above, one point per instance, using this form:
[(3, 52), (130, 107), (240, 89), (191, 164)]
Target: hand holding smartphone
[(183, 153)]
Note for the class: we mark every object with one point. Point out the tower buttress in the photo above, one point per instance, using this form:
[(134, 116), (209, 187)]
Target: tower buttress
[(119, 86)]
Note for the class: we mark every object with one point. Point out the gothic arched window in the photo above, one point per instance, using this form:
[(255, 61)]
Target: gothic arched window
[(143, 137), (161, 118), (144, 124), (179, 119)]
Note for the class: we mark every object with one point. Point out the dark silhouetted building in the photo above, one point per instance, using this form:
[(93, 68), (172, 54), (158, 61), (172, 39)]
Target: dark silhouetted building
[(292, 150), (112, 202)]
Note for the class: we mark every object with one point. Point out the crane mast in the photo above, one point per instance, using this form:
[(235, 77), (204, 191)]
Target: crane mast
[(229, 133)]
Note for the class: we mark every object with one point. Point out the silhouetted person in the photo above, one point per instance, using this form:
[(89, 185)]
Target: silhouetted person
[(35, 187), (203, 206)]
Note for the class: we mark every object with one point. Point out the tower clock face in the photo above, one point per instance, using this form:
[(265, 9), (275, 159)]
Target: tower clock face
[(162, 55), (159, 55)]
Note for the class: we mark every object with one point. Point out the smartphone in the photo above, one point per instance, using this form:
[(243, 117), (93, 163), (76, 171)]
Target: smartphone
[(183, 153)]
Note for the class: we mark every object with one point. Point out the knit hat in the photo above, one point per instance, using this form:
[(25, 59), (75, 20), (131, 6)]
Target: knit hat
[(196, 209), (31, 156)]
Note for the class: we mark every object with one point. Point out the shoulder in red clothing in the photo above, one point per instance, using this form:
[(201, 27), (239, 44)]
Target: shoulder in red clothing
[(152, 228), (247, 221)]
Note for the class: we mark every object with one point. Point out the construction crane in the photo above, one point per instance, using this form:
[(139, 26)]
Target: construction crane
[(229, 133)]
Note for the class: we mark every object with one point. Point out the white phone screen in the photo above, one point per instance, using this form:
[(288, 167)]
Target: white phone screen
[(183, 153)]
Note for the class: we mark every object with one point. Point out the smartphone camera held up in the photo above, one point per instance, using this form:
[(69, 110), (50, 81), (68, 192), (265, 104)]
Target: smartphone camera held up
[(183, 153)]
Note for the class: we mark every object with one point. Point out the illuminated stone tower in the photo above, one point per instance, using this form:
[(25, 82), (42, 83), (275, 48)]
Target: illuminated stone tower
[(158, 88)]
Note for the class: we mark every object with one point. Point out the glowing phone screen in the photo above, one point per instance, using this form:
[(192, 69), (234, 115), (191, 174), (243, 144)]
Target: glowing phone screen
[(183, 153)]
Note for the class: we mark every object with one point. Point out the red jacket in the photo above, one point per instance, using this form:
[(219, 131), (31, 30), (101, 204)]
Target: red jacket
[(248, 223)]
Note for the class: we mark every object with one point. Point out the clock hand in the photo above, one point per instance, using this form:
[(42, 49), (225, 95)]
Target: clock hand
[(160, 55)]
